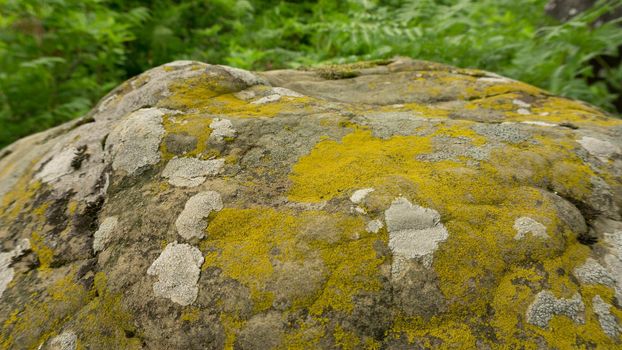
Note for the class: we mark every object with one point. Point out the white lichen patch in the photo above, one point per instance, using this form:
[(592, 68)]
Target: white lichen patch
[(191, 172), (104, 232), (613, 260), (135, 142), (545, 306), (64, 341), (359, 195), (601, 149), (523, 111), (267, 99), (538, 123), (193, 219), (374, 226), (245, 76), (414, 232), (6, 271), (58, 166), (591, 272), (221, 129), (607, 320), (521, 103), (525, 225), (178, 268), (286, 92)]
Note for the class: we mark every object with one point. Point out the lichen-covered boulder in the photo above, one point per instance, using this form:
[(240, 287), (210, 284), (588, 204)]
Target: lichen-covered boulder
[(381, 205)]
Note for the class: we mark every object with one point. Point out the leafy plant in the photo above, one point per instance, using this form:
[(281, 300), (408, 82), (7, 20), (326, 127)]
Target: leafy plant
[(58, 57)]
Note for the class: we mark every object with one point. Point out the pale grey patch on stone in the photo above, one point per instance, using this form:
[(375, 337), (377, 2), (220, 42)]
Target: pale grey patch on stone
[(359, 210), (180, 63), (601, 149), (414, 232), (246, 95), (389, 124), (613, 260), (495, 80), (64, 341), (602, 198), (178, 268), (57, 166), (521, 103), (267, 99), (245, 76), (221, 128), (6, 271), (191, 172), (510, 133), (374, 226), (538, 123), (453, 148), (193, 219), (591, 272), (545, 306), (525, 225), (359, 195), (523, 111), (607, 320), (135, 142), (104, 232), (286, 92)]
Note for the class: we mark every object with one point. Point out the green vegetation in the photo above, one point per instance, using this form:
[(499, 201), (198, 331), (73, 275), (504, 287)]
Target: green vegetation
[(58, 57)]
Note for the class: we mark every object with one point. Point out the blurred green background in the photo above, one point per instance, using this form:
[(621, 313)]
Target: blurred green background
[(58, 57)]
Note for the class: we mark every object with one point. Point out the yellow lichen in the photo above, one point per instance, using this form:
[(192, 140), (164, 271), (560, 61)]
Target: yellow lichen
[(44, 253), (192, 124), (96, 315), (190, 314), (243, 242), (479, 204)]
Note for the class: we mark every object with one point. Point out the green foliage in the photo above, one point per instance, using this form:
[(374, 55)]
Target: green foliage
[(58, 57)]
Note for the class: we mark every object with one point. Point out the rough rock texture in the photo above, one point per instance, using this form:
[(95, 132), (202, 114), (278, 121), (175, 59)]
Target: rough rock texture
[(384, 205)]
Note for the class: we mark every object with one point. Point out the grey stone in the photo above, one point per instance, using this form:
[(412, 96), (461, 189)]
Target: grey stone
[(180, 144), (6, 271), (600, 149)]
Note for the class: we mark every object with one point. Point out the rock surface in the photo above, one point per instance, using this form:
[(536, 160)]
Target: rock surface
[(382, 205)]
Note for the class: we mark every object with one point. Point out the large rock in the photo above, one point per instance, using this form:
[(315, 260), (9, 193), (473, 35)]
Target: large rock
[(392, 205)]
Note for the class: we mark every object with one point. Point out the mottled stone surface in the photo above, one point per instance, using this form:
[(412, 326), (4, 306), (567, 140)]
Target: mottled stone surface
[(397, 204)]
